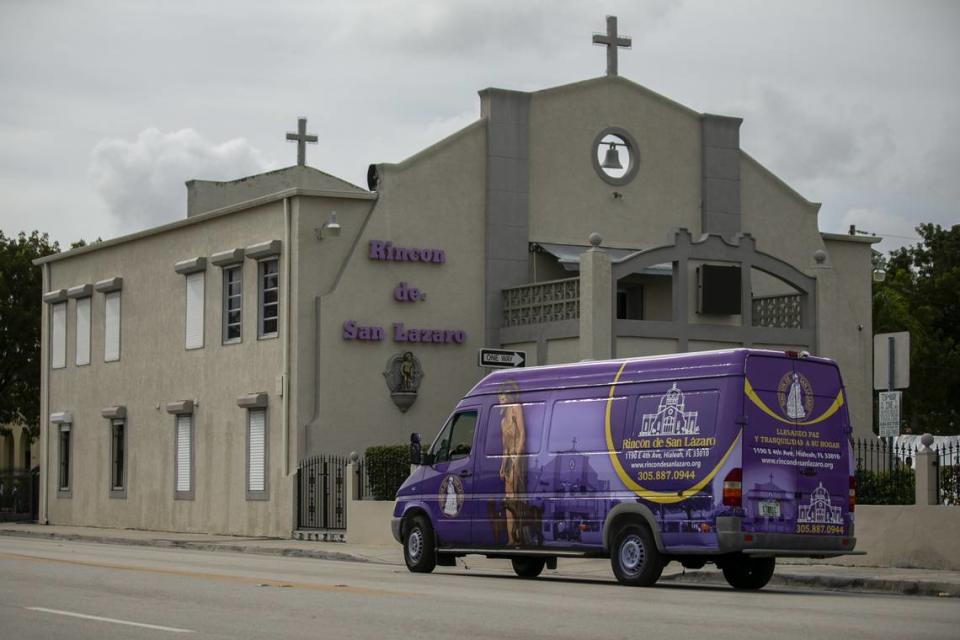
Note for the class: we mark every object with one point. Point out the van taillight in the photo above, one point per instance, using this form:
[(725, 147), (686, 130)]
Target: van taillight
[(852, 498), (733, 488)]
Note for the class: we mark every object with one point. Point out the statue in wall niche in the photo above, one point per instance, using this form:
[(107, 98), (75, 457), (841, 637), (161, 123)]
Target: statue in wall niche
[(403, 376)]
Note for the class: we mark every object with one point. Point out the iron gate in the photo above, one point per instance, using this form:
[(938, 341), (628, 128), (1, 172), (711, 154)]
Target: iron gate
[(321, 493)]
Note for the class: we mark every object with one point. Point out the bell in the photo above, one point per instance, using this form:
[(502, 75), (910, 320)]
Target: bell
[(612, 159)]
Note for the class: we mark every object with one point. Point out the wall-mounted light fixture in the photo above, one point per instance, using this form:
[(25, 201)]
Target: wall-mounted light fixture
[(330, 229)]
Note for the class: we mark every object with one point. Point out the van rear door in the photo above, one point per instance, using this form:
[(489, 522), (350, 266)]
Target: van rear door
[(795, 455)]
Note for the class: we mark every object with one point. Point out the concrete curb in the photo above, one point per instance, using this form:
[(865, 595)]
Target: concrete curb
[(835, 583), (227, 547)]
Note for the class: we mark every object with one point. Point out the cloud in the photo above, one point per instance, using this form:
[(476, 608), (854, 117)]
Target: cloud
[(142, 181), (813, 137)]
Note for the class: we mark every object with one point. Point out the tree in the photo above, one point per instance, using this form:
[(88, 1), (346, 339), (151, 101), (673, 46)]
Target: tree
[(21, 288), (921, 294)]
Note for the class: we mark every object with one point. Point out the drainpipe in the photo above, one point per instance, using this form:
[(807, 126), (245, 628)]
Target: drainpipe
[(285, 399), (44, 402)]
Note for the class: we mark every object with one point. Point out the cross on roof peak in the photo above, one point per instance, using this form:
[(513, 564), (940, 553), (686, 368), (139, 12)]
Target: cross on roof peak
[(613, 42), (301, 137)]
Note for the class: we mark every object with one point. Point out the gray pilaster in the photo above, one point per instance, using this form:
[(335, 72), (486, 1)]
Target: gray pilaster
[(596, 304), (720, 175), (507, 209)]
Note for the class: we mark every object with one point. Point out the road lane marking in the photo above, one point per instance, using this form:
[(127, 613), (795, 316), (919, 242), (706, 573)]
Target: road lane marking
[(129, 623), (339, 588)]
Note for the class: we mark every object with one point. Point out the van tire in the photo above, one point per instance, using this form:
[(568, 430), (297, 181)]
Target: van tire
[(526, 567), (634, 557), (749, 574), (419, 546)]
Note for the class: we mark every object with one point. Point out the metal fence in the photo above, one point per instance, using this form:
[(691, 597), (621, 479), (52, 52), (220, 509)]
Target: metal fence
[(19, 495), (321, 493), (948, 472), (885, 471)]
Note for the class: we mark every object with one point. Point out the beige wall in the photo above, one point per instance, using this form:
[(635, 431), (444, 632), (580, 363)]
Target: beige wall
[(568, 201), (434, 200), (632, 347), (155, 369), (906, 536), (846, 320), (563, 350), (783, 223)]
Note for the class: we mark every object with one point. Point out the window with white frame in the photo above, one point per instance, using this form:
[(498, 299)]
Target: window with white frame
[(256, 453), (183, 459), (232, 304), (111, 326), (63, 477), (118, 458), (58, 336), (194, 320), (269, 296), (83, 331)]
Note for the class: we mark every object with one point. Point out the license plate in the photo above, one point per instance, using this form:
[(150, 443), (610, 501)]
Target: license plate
[(769, 509)]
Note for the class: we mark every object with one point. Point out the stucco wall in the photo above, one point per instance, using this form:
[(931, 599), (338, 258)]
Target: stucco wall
[(568, 201), (433, 200), (848, 316), (783, 223), (155, 368), (906, 536)]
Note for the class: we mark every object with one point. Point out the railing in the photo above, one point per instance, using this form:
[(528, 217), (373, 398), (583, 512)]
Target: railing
[(781, 312), (19, 492), (541, 302), (886, 474), (321, 493), (948, 472)]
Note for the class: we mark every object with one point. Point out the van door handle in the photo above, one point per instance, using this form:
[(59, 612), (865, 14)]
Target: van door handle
[(465, 472)]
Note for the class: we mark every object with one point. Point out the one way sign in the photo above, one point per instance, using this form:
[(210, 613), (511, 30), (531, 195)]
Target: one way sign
[(501, 359)]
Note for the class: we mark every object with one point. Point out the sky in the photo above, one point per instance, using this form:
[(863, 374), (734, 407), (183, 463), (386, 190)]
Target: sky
[(108, 107)]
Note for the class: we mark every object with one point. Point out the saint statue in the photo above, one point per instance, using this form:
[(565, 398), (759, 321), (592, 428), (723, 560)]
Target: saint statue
[(450, 506), (795, 400)]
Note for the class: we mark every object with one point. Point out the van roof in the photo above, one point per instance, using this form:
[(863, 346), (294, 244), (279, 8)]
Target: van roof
[(677, 366)]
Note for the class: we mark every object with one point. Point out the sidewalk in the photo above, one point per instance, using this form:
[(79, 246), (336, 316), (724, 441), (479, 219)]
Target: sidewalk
[(790, 573)]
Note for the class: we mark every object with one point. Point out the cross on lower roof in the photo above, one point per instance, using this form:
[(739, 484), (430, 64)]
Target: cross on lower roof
[(612, 41), (301, 137)]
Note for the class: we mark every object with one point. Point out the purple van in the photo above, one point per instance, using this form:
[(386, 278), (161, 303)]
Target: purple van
[(732, 457)]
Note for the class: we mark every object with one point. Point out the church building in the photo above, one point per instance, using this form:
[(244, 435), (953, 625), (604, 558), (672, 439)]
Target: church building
[(188, 368)]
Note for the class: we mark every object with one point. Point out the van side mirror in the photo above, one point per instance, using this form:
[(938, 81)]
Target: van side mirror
[(415, 449)]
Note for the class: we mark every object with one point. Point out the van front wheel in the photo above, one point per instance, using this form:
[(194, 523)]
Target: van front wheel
[(749, 574), (528, 567), (419, 551), (634, 557)]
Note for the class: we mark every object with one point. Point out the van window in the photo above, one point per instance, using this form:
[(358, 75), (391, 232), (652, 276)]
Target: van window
[(514, 424), (456, 439), (579, 425)]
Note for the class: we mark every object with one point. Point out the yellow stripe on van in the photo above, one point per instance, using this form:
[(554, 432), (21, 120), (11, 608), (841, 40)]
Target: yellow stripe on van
[(755, 399), (661, 497)]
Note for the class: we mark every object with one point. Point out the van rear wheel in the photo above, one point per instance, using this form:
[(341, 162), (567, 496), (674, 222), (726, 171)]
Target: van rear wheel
[(749, 574), (635, 560), (419, 548), (528, 567)]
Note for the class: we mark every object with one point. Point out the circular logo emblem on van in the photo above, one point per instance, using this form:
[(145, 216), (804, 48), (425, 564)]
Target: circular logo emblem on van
[(450, 496), (795, 395)]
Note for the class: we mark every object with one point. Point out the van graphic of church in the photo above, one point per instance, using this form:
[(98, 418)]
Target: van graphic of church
[(820, 510), (670, 418)]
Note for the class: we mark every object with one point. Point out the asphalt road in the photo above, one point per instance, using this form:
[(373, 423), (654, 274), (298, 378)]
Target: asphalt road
[(52, 589)]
